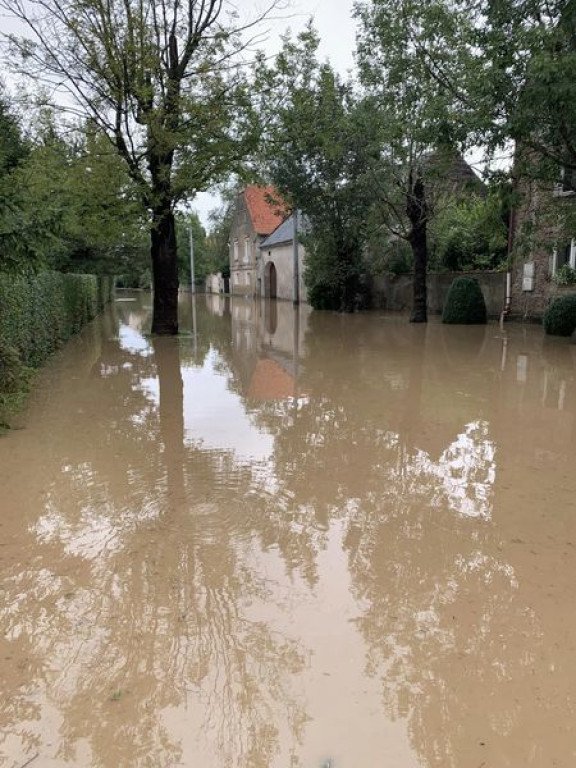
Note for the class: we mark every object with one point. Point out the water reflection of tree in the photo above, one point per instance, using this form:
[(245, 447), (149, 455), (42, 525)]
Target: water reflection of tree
[(159, 574), (440, 597), (160, 569)]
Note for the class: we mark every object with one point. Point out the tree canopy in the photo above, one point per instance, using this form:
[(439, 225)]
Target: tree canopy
[(161, 80)]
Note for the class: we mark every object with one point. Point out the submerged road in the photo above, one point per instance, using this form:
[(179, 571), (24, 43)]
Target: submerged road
[(291, 540)]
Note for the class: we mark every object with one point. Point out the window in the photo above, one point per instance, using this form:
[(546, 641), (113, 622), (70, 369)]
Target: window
[(246, 251), (566, 186), (564, 255), (236, 255)]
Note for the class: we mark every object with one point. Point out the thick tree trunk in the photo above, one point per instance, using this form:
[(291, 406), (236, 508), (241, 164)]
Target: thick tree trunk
[(164, 272), (417, 213)]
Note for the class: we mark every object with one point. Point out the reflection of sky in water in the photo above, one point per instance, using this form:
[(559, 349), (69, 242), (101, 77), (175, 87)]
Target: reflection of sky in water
[(466, 472), (467, 469), (132, 340), (214, 417)]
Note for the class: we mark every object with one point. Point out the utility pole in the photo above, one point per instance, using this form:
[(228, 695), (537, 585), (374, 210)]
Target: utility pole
[(295, 261), (192, 282)]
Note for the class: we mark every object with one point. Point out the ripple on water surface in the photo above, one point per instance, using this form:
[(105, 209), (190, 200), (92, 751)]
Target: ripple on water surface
[(291, 539)]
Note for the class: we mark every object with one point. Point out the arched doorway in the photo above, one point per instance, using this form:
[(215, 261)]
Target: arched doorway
[(270, 280)]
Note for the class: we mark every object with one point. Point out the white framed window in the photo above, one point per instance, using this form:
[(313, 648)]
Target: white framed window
[(564, 255), (246, 251), (236, 251)]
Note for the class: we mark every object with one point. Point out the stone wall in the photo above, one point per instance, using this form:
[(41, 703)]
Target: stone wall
[(394, 293)]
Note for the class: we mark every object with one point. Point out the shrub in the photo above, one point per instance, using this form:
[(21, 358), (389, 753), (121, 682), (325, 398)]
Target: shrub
[(560, 317), (10, 367), (565, 275), (39, 313), (465, 303)]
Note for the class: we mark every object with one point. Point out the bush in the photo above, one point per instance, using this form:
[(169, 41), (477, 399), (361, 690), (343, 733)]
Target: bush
[(10, 367), (565, 275), (560, 317), (465, 303), (39, 313)]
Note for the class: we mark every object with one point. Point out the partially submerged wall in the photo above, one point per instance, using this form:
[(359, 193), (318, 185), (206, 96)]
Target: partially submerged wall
[(394, 292)]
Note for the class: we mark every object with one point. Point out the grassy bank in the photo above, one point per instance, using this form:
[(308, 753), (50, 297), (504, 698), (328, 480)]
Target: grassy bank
[(38, 314)]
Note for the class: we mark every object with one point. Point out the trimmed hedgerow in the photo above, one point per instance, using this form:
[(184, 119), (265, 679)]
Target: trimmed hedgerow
[(39, 313), (465, 303), (560, 317)]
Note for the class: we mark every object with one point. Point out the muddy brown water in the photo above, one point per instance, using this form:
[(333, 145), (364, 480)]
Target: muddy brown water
[(292, 540)]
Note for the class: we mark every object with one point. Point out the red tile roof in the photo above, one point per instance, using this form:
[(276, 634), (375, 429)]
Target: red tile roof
[(266, 216)]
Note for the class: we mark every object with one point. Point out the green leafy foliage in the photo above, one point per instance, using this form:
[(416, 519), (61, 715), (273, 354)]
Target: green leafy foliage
[(566, 275), (560, 317), (163, 83), (465, 303), (470, 233), (317, 150), (39, 313)]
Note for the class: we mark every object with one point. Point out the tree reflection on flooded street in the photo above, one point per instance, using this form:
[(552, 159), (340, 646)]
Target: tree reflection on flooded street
[(294, 538)]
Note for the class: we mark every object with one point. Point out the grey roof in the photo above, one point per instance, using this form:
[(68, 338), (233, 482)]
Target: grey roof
[(284, 233)]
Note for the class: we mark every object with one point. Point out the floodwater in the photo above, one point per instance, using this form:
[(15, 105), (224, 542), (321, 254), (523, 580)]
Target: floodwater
[(292, 540)]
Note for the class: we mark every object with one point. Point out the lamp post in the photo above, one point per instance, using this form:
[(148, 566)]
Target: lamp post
[(192, 282)]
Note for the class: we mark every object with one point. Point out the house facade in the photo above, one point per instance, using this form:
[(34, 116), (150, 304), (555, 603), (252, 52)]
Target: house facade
[(258, 212), (541, 245), (277, 258)]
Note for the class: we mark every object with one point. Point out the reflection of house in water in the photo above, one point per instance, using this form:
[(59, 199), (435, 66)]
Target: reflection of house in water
[(270, 381), (268, 344)]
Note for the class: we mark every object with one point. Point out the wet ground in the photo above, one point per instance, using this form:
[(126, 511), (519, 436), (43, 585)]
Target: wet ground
[(292, 540)]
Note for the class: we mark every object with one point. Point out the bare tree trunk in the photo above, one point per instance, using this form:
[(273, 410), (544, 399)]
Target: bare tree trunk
[(418, 215), (165, 272)]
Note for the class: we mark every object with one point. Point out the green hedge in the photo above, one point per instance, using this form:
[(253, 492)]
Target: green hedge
[(465, 303), (39, 313), (560, 317)]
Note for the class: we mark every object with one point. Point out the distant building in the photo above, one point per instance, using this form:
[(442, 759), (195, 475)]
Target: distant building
[(258, 212), (278, 262), (216, 283)]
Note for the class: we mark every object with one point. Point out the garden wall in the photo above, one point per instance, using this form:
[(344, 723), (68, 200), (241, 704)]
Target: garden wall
[(39, 313), (395, 292)]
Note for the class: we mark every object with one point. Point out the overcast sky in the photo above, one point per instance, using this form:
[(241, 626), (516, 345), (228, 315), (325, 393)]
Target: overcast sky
[(337, 30)]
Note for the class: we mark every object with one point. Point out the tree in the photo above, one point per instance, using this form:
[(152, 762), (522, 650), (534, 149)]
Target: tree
[(317, 151), (471, 233), (158, 79), (217, 248), (69, 205), (422, 126), (523, 81)]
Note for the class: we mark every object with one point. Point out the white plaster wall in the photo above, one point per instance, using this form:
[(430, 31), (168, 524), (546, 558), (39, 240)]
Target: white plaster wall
[(281, 256)]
